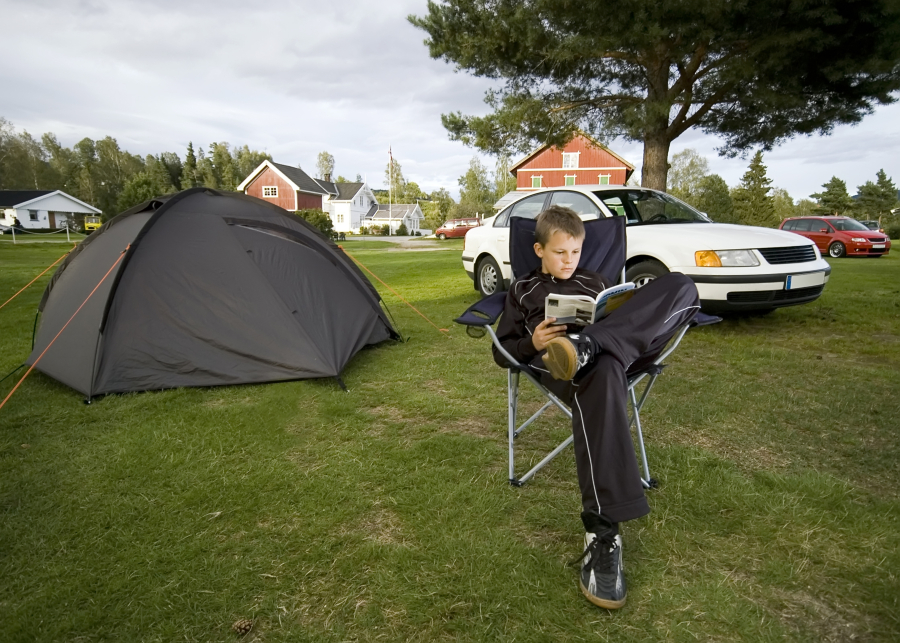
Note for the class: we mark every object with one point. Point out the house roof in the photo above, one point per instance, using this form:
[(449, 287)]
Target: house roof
[(11, 198), (346, 191), (533, 153), (394, 212), (303, 181), (20, 198)]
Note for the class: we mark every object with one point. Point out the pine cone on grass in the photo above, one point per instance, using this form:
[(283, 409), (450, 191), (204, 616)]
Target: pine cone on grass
[(242, 626)]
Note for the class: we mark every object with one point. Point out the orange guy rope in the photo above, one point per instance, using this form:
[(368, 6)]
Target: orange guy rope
[(442, 330), (31, 368), (36, 278)]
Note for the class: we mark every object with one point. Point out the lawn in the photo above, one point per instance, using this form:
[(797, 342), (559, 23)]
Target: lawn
[(383, 513)]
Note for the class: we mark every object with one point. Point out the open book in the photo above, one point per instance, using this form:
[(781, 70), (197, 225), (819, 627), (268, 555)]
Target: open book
[(584, 310)]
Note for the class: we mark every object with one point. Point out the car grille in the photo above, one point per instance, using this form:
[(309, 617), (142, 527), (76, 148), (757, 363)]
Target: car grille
[(877, 240), (793, 254), (762, 296)]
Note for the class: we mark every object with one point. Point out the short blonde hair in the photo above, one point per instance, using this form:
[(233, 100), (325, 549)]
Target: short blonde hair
[(558, 218)]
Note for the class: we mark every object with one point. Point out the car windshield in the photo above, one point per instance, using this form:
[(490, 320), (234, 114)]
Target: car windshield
[(848, 225), (642, 207)]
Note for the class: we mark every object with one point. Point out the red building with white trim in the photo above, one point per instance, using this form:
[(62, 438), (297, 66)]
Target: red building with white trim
[(582, 161)]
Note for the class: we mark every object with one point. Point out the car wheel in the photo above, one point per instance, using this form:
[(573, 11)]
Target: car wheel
[(644, 272), (837, 250), (488, 277), (442, 236)]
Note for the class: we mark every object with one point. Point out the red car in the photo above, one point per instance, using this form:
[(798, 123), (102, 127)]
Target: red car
[(840, 236), (456, 228)]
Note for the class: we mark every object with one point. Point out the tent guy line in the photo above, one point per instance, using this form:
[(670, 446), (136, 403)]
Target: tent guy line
[(36, 278), (31, 368)]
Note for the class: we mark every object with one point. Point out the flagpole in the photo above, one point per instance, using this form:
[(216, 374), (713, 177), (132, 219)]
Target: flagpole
[(391, 196)]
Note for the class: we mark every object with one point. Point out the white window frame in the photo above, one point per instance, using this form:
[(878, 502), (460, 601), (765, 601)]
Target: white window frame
[(540, 180), (33, 215), (574, 177), (600, 178), (270, 192), (570, 160)]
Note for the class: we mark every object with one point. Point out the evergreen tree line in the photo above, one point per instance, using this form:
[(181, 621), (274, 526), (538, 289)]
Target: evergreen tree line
[(110, 178), (754, 201)]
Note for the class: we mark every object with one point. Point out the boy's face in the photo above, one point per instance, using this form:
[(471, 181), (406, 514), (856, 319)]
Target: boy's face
[(560, 255)]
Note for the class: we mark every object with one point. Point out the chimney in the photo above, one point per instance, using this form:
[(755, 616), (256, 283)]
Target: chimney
[(328, 176)]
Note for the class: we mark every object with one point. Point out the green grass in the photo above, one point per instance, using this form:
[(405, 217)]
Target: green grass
[(384, 513)]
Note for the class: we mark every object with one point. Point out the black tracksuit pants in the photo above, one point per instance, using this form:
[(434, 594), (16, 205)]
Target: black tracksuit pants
[(630, 336)]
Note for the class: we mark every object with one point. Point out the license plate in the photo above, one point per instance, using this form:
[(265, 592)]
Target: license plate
[(804, 281), (878, 245)]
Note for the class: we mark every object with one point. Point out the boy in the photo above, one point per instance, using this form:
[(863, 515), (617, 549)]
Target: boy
[(586, 367)]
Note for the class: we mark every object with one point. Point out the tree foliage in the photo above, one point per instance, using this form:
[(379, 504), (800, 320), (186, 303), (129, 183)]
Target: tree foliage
[(714, 198), (318, 219), (104, 175), (877, 199), (325, 166), (753, 205), (834, 199), (753, 73), (688, 169), (477, 193)]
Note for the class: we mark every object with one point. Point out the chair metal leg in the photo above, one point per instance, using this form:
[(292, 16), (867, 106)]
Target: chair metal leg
[(513, 396)]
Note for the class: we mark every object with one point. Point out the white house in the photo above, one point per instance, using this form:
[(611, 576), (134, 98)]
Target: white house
[(348, 208), (43, 209), (393, 215), (291, 188)]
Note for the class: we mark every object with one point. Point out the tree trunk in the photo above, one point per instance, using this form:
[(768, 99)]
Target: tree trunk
[(655, 171)]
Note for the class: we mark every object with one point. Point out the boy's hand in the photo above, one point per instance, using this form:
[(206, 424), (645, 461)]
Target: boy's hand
[(545, 331)]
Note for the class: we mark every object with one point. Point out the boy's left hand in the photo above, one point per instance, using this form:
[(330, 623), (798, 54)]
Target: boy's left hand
[(545, 331)]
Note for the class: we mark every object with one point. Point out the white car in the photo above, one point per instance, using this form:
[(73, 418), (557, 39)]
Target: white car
[(735, 267)]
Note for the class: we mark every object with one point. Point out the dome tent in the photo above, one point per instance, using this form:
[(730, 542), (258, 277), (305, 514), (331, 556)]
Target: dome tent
[(204, 288)]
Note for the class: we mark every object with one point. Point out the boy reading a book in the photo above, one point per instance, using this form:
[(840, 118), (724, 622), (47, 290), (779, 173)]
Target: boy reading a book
[(586, 367)]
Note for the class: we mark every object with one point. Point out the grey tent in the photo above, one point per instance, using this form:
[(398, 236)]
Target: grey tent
[(210, 288)]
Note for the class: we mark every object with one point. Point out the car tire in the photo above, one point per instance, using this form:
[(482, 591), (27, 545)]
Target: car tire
[(442, 236), (837, 250), (489, 277), (644, 272)]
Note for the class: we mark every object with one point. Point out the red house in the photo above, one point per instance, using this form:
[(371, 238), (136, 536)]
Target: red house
[(583, 161), (288, 187)]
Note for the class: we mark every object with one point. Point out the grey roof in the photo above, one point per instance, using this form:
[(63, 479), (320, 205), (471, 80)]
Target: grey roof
[(393, 212), (328, 186), (303, 181), (346, 191), (9, 198)]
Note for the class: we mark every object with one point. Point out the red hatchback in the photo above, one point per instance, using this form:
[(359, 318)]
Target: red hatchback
[(456, 228), (840, 236)]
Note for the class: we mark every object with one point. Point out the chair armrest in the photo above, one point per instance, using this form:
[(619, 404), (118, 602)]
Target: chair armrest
[(484, 312)]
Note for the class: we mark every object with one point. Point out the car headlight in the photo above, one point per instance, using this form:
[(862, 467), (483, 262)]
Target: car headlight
[(726, 258), (858, 239)]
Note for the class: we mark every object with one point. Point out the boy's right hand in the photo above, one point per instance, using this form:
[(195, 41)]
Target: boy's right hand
[(545, 331)]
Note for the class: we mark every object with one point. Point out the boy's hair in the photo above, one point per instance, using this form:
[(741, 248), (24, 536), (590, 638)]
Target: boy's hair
[(558, 218)]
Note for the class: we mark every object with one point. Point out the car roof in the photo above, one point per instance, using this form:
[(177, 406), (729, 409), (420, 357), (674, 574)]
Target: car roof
[(579, 188)]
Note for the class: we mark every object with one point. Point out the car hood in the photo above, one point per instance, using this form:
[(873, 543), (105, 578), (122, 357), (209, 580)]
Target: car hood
[(716, 236)]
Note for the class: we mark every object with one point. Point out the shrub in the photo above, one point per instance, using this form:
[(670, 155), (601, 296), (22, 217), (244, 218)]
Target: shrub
[(363, 230), (402, 231), (892, 229), (385, 230), (319, 220)]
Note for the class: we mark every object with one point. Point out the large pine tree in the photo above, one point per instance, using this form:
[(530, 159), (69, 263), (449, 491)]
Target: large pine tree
[(834, 199)]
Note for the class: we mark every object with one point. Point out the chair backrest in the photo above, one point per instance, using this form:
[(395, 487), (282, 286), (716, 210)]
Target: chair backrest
[(603, 251)]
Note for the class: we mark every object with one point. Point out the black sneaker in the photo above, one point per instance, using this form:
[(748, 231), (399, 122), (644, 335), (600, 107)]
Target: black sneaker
[(567, 355), (602, 577)]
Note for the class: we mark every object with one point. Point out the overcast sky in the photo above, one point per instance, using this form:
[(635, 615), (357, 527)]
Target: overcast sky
[(295, 78)]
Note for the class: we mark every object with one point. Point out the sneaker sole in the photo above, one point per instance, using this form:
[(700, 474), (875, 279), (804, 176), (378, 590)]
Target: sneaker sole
[(561, 359), (601, 602)]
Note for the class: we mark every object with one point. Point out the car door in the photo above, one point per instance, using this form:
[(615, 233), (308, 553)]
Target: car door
[(527, 208), (820, 232)]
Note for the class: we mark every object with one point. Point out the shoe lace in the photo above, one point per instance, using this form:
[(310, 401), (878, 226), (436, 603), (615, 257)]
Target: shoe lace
[(602, 552)]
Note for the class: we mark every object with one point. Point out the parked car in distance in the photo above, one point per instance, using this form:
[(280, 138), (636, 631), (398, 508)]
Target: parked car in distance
[(456, 228), (840, 236), (735, 267), (873, 225)]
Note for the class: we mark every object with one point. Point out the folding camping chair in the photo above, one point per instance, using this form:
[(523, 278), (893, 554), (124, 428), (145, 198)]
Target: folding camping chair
[(603, 251)]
